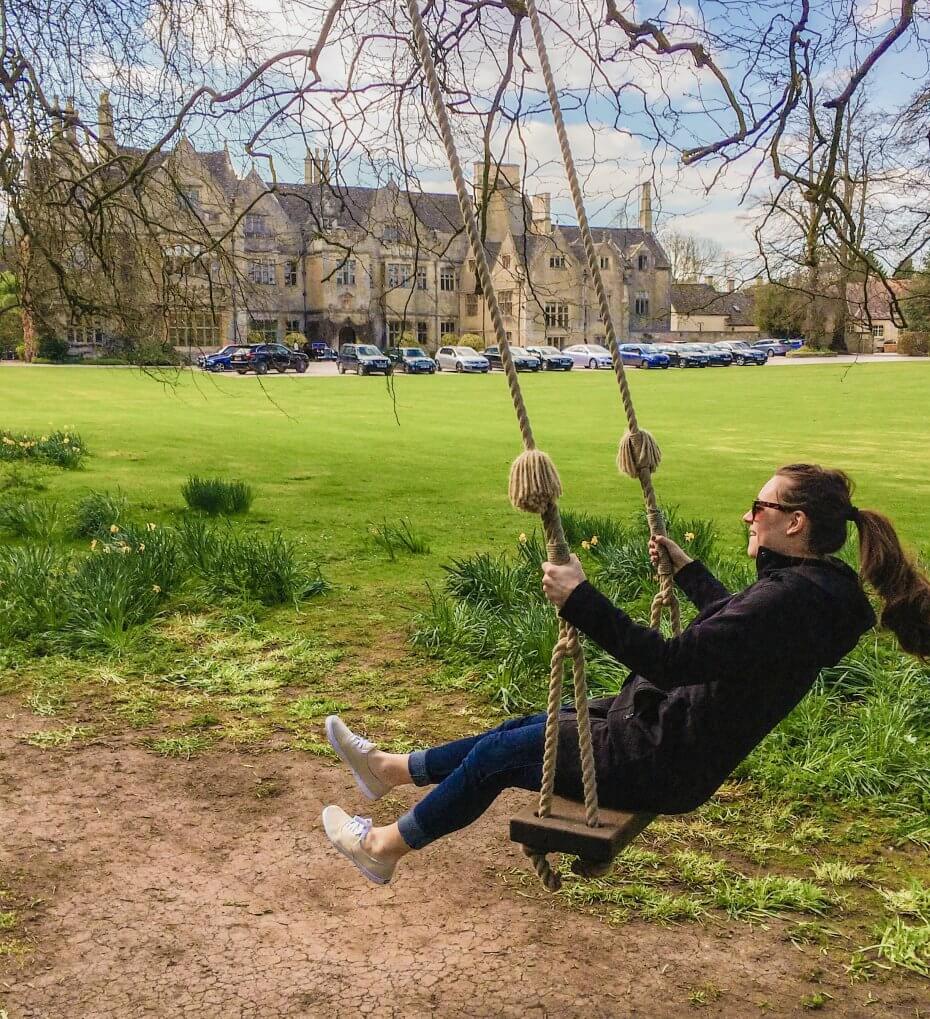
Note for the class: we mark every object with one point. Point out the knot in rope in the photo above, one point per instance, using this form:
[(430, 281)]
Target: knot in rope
[(534, 482), (638, 452), (549, 878)]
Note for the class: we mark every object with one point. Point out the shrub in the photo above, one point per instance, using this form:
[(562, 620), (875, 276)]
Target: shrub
[(812, 352), (295, 340), (31, 583), (214, 496), (61, 449), (912, 343), (96, 513), (54, 348), (30, 518)]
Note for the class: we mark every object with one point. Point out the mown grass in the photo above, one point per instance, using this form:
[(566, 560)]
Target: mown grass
[(220, 659)]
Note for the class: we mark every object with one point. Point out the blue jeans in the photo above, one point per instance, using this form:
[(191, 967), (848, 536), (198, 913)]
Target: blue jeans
[(471, 773)]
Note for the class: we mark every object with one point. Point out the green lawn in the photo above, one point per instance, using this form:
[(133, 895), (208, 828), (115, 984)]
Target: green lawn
[(329, 458)]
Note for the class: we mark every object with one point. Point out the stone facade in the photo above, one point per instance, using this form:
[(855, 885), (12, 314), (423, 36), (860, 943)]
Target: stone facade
[(384, 265)]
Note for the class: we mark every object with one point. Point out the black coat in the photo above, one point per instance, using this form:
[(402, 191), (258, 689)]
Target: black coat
[(695, 705)]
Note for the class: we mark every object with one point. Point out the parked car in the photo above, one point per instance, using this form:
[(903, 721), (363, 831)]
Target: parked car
[(363, 359), (680, 357), (262, 357), (552, 358), (317, 350), (523, 360), (219, 360), (742, 352), (411, 360), (794, 342), (696, 350), (719, 357), (643, 355), (461, 359), (589, 355), (772, 348)]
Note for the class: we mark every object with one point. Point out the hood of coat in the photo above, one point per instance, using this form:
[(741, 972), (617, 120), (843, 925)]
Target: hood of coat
[(832, 576)]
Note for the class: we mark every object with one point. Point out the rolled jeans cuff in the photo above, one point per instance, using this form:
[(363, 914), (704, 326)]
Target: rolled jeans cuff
[(416, 762), (412, 833)]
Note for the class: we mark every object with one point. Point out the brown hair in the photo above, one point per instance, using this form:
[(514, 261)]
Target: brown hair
[(824, 496)]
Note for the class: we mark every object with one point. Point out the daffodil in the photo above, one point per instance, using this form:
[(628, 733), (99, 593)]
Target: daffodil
[(93, 545), (114, 528), (141, 547), (689, 536), (593, 539), (156, 588), (66, 440), (522, 538), (586, 545), (150, 527)]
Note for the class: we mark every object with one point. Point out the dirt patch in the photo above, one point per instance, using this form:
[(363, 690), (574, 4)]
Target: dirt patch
[(205, 888)]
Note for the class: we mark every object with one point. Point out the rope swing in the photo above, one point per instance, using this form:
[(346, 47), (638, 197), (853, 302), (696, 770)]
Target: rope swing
[(535, 487)]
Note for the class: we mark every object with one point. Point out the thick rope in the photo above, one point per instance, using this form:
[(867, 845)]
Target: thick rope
[(534, 483), (639, 453)]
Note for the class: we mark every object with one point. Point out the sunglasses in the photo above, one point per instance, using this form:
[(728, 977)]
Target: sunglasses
[(758, 505)]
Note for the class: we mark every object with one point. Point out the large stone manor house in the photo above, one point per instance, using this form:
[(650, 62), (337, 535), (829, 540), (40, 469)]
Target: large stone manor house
[(386, 265)]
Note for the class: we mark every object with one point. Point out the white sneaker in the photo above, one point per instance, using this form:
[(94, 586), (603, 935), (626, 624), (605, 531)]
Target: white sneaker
[(347, 834), (353, 751)]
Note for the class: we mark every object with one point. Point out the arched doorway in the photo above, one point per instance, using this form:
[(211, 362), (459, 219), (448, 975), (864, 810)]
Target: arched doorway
[(346, 335)]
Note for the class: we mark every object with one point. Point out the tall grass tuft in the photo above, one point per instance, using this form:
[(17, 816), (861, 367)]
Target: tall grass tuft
[(215, 496), (29, 518), (399, 536), (32, 578), (96, 513)]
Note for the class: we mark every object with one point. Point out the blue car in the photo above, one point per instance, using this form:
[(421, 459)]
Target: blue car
[(772, 348), (523, 360), (643, 355), (220, 360)]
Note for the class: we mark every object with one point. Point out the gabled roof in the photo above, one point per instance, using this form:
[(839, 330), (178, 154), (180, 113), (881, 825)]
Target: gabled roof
[(873, 299), (625, 238), (702, 299)]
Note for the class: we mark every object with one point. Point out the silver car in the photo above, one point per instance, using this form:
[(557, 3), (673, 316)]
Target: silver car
[(461, 359), (589, 355)]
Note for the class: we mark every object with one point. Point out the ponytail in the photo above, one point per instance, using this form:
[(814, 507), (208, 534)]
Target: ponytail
[(824, 497), (903, 589)]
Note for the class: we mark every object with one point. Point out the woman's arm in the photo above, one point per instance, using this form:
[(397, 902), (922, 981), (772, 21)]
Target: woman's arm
[(739, 639)]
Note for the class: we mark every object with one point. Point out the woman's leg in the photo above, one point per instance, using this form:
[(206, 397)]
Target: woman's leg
[(504, 758), (427, 767)]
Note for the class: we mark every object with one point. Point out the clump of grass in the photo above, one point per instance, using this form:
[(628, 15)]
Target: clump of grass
[(52, 739), (22, 479), (96, 513), (838, 872), (398, 536), (698, 870), (913, 900), (8, 920), (642, 900), (771, 895), (32, 579), (310, 707), (704, 995), (186, 746), (63, 449), (903, 945), (29, 518), (215, 496)]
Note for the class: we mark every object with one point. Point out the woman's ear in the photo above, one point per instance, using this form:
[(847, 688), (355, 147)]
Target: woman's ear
[(797, 523)]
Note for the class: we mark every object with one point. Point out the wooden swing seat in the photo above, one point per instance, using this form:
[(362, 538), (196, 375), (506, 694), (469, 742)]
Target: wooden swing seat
[(565, 831)]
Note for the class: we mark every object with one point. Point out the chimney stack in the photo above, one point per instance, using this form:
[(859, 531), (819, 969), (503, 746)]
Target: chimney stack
[(71, 119), (542, 213), (731, 284), (645, 208), (106, 136), (709, 280)]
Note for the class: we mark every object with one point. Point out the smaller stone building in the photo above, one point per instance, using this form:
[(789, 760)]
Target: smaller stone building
[(701, 313)]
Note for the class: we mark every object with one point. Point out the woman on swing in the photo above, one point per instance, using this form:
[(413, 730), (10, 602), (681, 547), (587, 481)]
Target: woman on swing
[(694, 705)]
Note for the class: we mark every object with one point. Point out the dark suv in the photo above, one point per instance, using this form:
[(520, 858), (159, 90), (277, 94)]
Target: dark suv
[(261, 357), (363, 359)]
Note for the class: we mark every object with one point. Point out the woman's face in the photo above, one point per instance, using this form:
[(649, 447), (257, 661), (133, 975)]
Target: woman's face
[(774, 528)]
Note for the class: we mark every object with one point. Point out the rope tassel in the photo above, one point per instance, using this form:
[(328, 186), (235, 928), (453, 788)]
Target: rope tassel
[(534, 482), (638, 452)]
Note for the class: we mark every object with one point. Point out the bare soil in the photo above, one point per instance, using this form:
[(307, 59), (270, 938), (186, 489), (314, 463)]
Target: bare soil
[(152, 887)]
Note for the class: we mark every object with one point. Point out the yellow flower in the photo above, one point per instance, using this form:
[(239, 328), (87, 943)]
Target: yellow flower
[(593, 539), (124, 549), (689, 536), (114, 528), (150, 527), (141, 546), (93, 545), (45, 438), (107, 549), (66, 439), (586, 545), (156, 588), (522, 538)]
